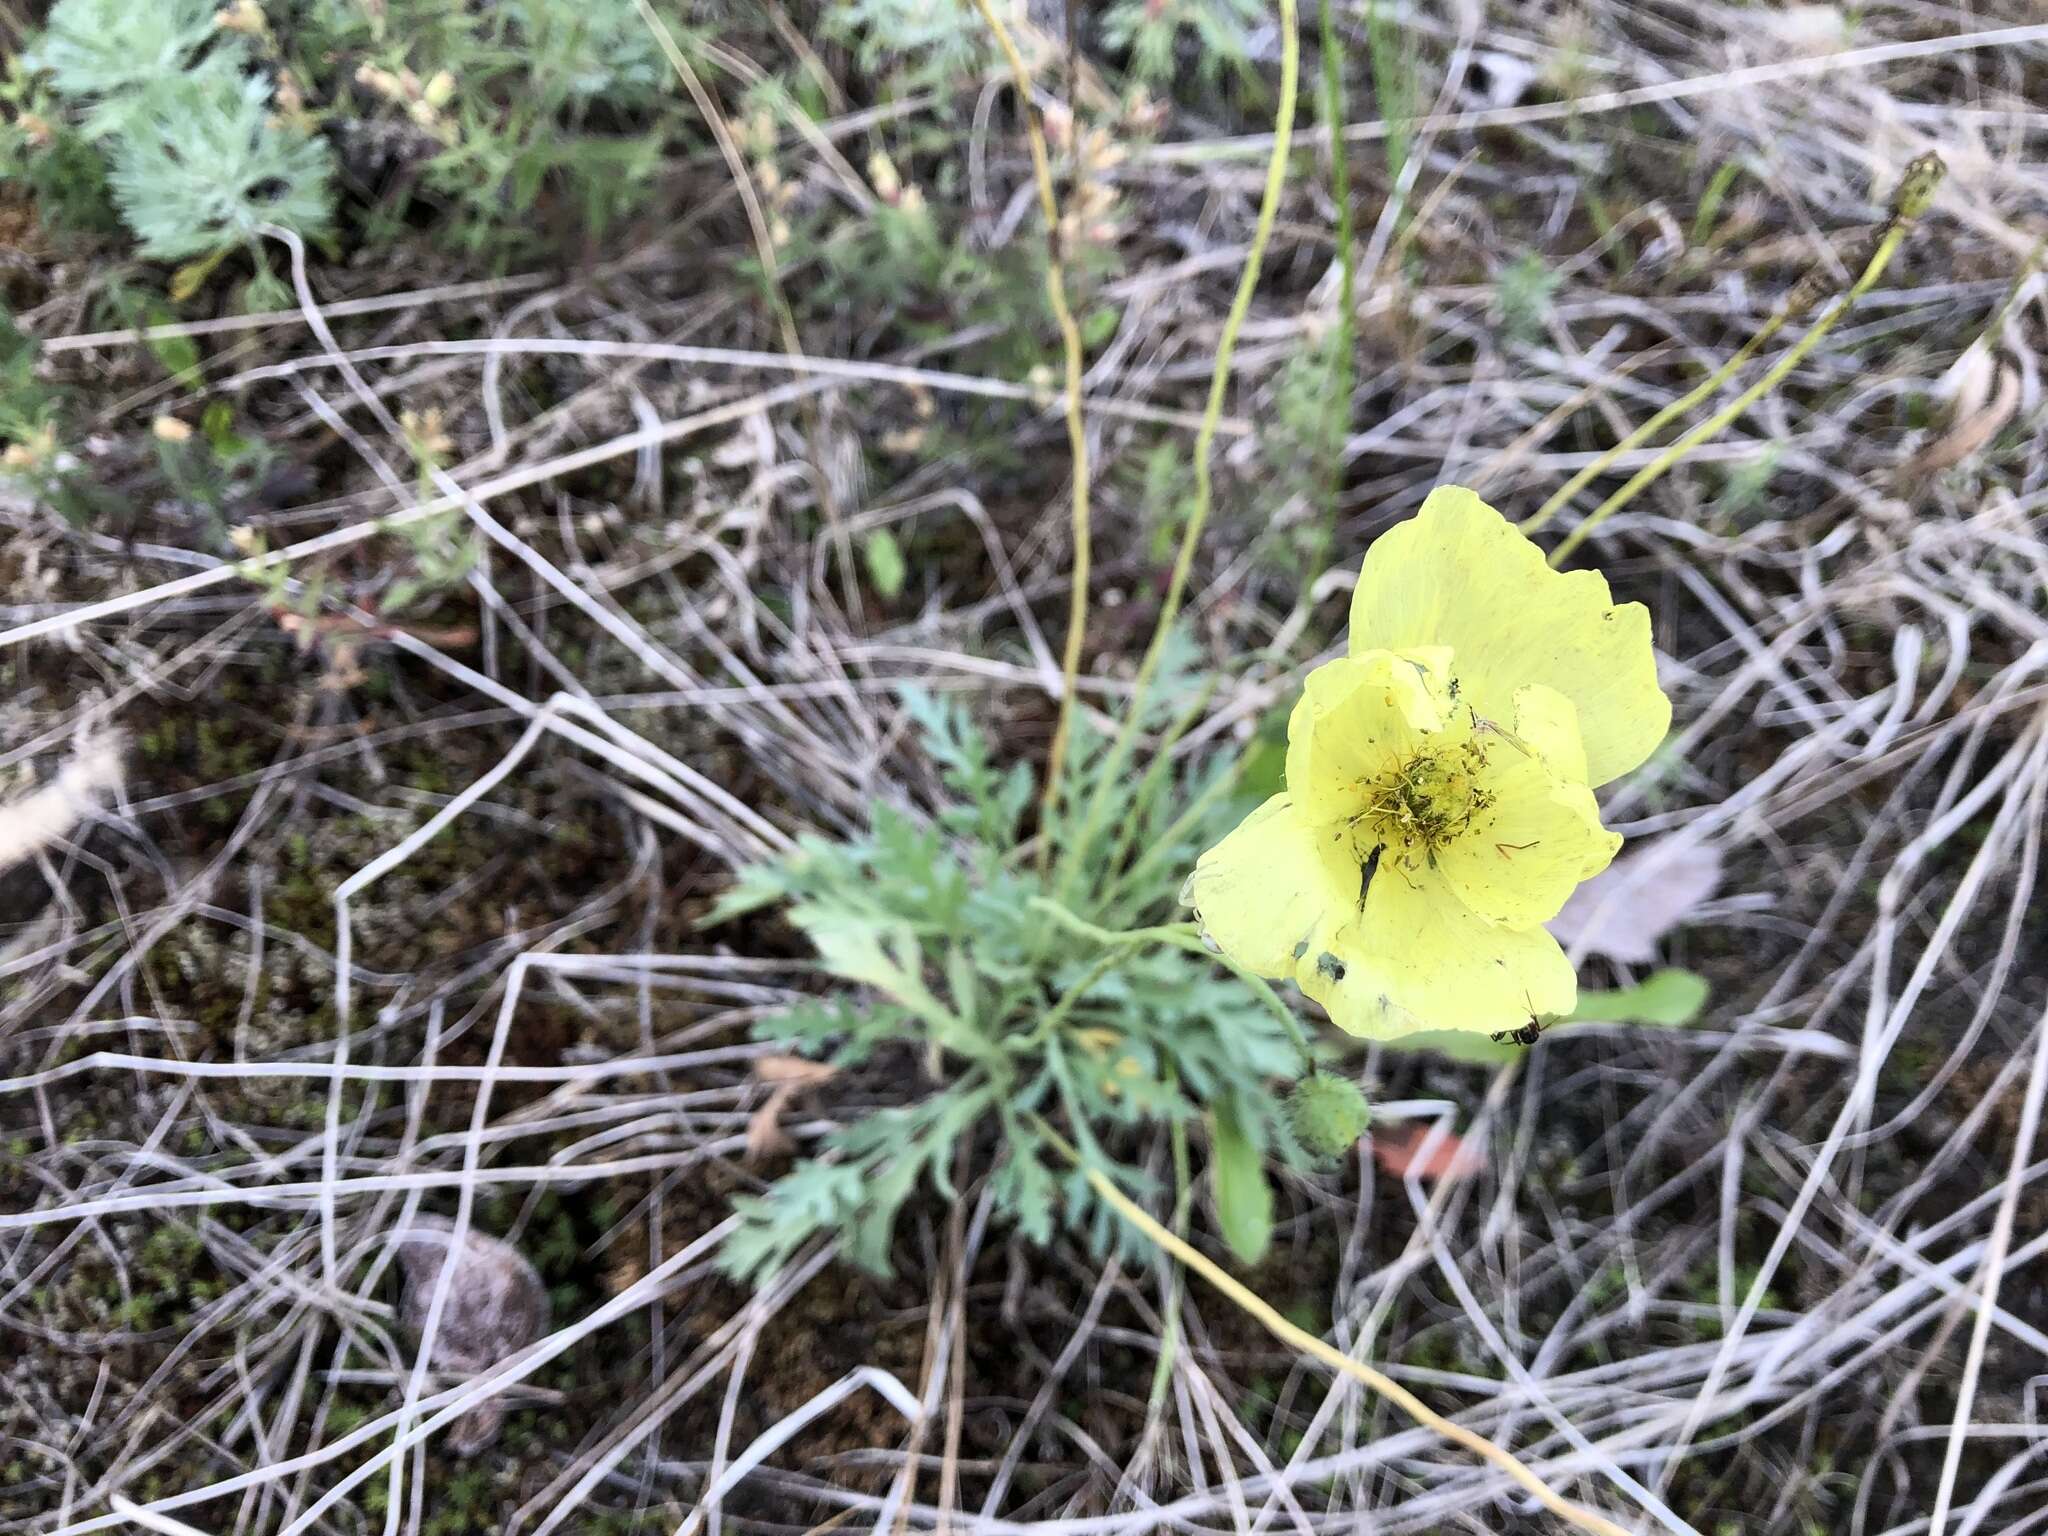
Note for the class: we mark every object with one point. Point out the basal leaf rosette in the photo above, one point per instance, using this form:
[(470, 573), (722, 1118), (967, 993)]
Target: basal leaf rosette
[(1439, 805)]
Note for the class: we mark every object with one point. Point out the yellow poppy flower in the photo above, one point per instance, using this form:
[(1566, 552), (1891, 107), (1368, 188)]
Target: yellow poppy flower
[(1439, 805)]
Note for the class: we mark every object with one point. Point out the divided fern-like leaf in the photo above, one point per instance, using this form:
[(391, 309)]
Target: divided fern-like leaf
[(838, 1032), (594, 47), (934, 925), (27, 404), (115, 49), (931, 42), (204, 165), (993, 801), (1218, 33), (812, 1197)]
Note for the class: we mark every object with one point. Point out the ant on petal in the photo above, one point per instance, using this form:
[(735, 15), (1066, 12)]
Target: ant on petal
[(1529, 1033)]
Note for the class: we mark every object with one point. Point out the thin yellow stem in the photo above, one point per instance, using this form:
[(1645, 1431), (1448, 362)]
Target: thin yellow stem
[(1914, 194), (1205, 434), (1077, 435), (1226, 343), (1256, 1306)]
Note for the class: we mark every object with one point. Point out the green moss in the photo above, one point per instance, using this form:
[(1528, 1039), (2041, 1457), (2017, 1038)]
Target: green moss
[(1433, 1349), (170, 1252), (225, 749), (468, 1503), (302, 902)]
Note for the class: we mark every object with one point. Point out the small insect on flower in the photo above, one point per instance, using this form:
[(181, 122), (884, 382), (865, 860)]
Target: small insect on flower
[(1439, 803), (1529, 1033)]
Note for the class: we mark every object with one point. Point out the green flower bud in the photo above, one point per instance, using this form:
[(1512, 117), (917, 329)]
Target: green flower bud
[(1328, 1115), (1918, 186)]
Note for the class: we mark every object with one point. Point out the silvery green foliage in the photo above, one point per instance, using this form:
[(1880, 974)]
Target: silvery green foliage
[(928, 927), (183, 115), (204, 166), (596, 48), (494, 1308), (110, 52), (929, 43), (1167, 36)]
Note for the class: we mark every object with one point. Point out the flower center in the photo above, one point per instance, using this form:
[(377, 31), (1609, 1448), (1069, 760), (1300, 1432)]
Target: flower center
[(1421, 804)]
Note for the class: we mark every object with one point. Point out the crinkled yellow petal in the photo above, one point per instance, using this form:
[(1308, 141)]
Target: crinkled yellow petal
[(1420, 959), (1539, 836), (1358, 717), (1273, 888), (1458, 574)]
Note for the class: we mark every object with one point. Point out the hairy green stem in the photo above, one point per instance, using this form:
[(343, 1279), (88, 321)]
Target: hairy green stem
[(1671, 412), (1056, 1015), (1134, 877), (1187, 936), (1226, 344), (1915, 192)]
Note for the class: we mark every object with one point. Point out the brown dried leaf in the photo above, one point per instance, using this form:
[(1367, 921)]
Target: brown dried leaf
[(1972, 431), (1450, 1158), (788, 1076), (798, 1071), (765, 1136), (344, 628)]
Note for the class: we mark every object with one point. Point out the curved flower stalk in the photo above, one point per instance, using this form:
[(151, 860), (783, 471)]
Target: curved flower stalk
[(1439, 805)]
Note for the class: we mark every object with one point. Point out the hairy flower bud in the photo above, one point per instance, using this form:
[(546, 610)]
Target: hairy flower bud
[(1328, 1115)]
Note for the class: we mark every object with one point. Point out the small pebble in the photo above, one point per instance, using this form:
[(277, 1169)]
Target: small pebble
[(495, 1307)]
